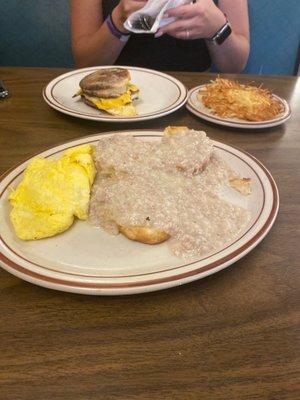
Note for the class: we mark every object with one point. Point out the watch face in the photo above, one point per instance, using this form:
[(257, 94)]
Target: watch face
[(223, 34)]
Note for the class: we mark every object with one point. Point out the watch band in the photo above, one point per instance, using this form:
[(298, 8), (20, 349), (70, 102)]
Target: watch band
[(222, 34), (123, 37)]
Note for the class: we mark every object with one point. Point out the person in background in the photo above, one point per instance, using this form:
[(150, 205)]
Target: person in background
[(205, 32)]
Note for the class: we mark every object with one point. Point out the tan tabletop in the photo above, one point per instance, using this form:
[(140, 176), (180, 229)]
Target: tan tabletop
[(232, 335)]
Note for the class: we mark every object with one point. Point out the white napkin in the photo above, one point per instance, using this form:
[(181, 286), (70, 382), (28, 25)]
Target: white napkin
[(150, 18)]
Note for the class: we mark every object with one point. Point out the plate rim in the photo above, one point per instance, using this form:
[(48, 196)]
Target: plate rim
[(155, 283), (187, 264), (238, 124), (53, 103)]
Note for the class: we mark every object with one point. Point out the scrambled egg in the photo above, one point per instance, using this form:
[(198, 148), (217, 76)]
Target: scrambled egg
[(121, 105), (52, 193)]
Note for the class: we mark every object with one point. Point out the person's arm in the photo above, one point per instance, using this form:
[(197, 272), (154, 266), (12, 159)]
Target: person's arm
[(232, 55), (203, 19), (92, 41)]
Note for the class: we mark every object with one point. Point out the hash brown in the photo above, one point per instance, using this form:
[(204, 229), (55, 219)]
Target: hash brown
[(231, 99)]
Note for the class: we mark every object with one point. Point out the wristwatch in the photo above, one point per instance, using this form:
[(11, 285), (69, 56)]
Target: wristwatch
[(222, 34)]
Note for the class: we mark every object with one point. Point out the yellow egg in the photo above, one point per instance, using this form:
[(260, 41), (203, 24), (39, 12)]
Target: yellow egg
[(52, 193), (121, 105)]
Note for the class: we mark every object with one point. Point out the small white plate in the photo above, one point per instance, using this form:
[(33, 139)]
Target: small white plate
[(160, 94), (195, 106), (88, 260)]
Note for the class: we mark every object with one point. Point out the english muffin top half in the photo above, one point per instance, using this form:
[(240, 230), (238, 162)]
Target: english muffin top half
[(106, 83)]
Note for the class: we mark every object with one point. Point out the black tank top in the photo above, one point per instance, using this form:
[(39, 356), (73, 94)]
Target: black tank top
[(164, 53)]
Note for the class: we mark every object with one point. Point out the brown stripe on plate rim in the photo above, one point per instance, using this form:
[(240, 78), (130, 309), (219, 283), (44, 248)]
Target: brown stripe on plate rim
[(215, 264), (173, 278), (59, 105), (150, 273), (286, 106)]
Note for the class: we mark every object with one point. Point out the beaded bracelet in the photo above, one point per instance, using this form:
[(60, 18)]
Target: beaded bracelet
[(115, 31)]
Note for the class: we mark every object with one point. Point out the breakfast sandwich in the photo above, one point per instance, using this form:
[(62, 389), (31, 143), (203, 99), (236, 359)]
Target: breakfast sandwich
[(109, 90), (230, 99)]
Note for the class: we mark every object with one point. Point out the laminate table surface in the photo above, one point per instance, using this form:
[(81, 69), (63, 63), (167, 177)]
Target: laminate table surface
[(231, 336)]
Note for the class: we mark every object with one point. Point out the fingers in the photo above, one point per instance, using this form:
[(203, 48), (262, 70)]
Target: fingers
[(139, 3), (133, 5), (186, 34), (177, 26), (181, 35), (186, 11)]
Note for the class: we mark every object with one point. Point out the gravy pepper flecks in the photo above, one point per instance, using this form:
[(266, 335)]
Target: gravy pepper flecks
[(171, 186)]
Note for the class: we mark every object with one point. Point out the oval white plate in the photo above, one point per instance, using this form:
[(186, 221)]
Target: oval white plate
[(88, 260), (160, 94), (198, 108)]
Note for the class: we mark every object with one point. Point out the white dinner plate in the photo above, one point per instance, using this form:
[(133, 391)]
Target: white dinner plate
[(85, 259), (198, 108), (160, 94)]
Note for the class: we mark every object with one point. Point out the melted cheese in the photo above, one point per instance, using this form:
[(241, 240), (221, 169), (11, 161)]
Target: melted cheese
[(116, 105)]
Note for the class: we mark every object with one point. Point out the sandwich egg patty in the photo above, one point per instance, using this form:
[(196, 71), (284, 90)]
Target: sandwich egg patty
[(121, 105)]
